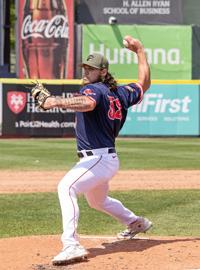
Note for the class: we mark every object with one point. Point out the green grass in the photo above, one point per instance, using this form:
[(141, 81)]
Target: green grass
[(172, 212), (37, 154), (160, 153), (136, 153)]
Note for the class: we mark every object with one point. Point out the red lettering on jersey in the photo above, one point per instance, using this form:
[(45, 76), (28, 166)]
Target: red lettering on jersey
[(88, 92), (115, 109)]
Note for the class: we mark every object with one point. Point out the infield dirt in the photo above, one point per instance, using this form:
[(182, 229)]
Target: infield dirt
[(47, 181), (145, 253)]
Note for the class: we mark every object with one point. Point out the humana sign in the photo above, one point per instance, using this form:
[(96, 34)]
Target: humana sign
[(155, 56)]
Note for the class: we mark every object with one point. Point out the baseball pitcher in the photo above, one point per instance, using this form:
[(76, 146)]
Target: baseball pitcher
[(101, 110)]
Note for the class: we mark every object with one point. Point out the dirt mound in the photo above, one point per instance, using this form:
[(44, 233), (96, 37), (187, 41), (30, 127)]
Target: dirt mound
[(163, 253)]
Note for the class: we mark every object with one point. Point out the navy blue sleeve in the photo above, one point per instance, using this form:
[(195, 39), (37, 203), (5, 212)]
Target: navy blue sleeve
[(131, 94), (92, 92)]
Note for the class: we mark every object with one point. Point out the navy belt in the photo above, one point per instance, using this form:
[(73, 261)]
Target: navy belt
[(90, 153)]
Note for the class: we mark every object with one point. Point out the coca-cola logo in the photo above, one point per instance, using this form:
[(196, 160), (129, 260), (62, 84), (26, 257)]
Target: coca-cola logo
[(16, 101), (57, 27)]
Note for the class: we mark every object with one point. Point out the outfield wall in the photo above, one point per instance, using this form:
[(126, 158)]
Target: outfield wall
[(169, 108), (172, 50), (165, 48), (166, 110)]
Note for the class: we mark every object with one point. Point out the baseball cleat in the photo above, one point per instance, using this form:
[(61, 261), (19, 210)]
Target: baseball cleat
[(70, 254), (141, 225)]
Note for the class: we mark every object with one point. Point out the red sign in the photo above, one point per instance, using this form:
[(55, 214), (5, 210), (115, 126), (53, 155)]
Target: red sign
[(16, 101), (46, 39)]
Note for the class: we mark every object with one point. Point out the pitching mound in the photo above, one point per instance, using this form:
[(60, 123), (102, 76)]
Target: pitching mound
[(151, 253), (36, 252)]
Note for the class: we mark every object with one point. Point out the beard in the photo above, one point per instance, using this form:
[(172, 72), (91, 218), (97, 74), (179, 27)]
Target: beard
[(85, 81)]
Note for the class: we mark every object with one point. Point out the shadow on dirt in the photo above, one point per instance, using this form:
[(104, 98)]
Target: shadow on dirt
[(135, 245)]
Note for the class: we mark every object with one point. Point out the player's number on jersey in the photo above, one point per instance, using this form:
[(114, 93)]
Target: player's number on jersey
[(115, 109)]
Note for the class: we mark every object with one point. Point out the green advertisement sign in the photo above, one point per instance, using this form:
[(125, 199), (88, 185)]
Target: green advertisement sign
[(165, 110), (168, 49)]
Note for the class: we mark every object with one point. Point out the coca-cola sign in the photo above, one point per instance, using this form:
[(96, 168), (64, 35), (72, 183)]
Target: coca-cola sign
[(57, 27), (46, 39)]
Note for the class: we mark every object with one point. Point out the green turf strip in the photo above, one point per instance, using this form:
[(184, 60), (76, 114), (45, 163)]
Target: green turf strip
[(172, 212), (135, 153)]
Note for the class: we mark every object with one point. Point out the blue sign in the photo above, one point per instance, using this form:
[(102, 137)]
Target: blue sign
[(165, 110)]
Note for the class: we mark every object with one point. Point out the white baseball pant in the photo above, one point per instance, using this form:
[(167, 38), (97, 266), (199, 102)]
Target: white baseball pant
[(90, 176)]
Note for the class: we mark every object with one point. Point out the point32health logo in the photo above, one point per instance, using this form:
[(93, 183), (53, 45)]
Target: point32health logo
[(16, 101)]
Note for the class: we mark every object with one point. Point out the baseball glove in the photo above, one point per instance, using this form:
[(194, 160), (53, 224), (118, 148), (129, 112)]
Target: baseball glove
[(40, 94)]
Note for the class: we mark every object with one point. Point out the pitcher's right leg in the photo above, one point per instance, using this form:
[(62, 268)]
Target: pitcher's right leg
[(78, 180)]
